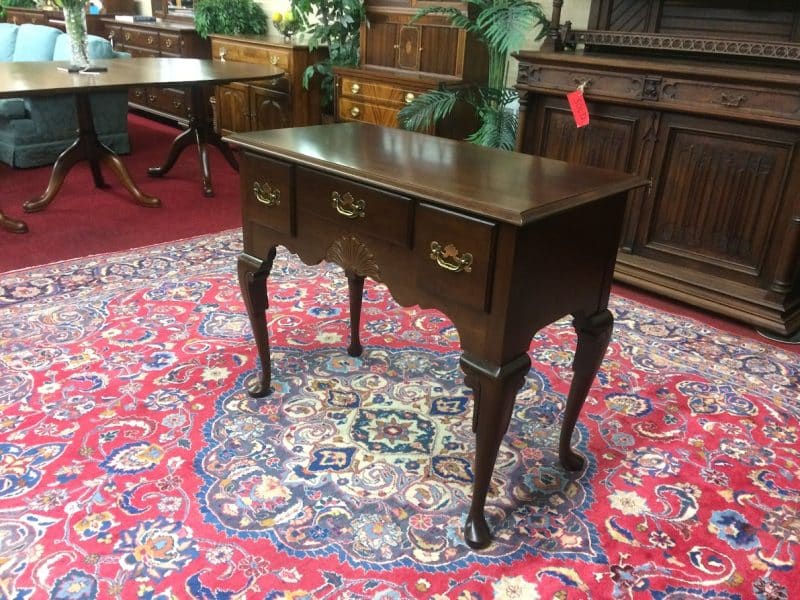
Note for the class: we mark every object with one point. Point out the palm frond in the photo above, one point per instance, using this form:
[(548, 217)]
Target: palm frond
[(427, 109), (457, 18), (505, 27), (498, 128)]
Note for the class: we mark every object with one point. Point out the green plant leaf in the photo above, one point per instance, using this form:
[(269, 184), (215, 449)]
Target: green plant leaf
[(232, 17), (506, 26), (427, 109), (498, 128)]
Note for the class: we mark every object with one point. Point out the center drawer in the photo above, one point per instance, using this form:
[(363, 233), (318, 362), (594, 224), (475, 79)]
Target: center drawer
[(359, 208)]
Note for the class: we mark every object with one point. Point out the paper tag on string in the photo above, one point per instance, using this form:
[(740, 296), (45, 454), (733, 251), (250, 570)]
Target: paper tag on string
[(577, 104)]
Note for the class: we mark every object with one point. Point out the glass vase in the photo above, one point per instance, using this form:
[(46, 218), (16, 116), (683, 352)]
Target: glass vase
[(75, 21)]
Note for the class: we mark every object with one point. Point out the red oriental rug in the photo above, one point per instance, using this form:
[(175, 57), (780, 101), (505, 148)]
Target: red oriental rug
[(134, 465)]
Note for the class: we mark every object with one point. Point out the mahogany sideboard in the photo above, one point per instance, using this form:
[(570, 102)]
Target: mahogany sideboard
[(500, 242), (704, 100)]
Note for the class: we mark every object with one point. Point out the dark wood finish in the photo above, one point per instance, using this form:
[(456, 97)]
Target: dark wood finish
[(541, 236), (719, 228), (54, 17), (44, 78), (173, 10), (402, 58), (271, 104), (167, 39)]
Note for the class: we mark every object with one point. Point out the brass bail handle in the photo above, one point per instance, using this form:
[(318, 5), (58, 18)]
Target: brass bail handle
[(348, 206), (448, 258), (266, 194)]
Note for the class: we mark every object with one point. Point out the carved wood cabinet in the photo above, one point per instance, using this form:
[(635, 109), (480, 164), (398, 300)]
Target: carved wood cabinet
[(402, 58), (159, 38), (712, 117), (270, 104)]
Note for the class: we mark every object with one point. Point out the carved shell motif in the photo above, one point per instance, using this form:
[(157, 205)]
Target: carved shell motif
[(352, 254)]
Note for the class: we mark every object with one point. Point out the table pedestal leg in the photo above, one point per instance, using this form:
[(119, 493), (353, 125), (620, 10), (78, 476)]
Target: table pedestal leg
[(494, 391), (200, 132), (594, 334), (253, 275), (12, 225), (87, 147)]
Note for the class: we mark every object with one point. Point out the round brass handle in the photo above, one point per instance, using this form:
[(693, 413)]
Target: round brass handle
[(348, 206), (266, 194), (409, 97), (355, 111), (447, 257), (273, 60), (355, 88)]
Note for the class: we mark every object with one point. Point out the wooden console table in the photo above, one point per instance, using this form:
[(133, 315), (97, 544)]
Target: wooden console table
[(501, 242)]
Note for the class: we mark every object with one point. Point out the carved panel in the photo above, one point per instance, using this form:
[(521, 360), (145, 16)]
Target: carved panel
[(718, 196), (353, 255)]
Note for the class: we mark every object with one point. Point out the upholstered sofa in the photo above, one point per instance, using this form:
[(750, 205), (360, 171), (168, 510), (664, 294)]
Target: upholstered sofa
[(36, 129)]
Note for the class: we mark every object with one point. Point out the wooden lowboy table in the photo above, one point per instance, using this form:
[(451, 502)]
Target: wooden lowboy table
[(18, 79), (502, 243)]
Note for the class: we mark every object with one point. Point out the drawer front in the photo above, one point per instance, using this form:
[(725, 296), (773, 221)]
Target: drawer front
[(221, 49), (358, 90), (454, 255), (138, 95), (753, 100), (596, 83), (267, 192), (146, 40), (357, 208), (367, 112), (169, 43), (169, 100)]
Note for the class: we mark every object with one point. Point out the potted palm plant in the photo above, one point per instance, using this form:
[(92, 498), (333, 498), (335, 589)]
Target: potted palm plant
[(231, 17), (503, 26)]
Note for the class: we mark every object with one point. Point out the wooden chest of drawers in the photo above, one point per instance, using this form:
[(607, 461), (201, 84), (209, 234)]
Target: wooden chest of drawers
[(162, 38), (270, 104)]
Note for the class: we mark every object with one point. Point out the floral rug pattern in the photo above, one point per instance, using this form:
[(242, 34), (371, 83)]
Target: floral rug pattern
[(133, 464)]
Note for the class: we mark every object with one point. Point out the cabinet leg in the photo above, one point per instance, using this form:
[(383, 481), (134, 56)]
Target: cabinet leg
[(253, 275), (494, 390), (594, 333), (355, 285)]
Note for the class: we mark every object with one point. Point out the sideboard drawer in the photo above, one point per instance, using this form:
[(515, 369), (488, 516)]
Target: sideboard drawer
[(169, 43), (367, 112), (358, 89), (364, 209), (141, 39), (454, 254), (267, 192), (596, 83)]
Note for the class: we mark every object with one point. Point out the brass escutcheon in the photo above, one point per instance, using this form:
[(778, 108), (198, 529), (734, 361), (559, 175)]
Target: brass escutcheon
[(348, 206), (266, 195), (448, 258)]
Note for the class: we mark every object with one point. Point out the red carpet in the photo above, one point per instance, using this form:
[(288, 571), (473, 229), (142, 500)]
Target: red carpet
[(84, 220), (134, 465)]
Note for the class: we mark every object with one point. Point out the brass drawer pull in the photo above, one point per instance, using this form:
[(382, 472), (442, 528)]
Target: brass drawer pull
[(127, 36), (347, 206), (150, 40), (152, 98), (355, 88), (447, 257), (266, 195), (409, 97), (168, 43), (273, 60), (177, 103), (355, 111), (731, 101), (222, 51)]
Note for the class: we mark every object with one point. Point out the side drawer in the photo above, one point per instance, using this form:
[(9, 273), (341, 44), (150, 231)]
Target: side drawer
[(170, 43), (223, 50), (359, 208), (266, 192), (454, 255), (168, 100), (141, 39), (359, 90), (596, 83), (366, 112)]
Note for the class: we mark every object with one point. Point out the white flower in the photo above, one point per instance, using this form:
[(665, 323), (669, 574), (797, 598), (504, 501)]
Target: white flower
[(628, 503), (515, 588)]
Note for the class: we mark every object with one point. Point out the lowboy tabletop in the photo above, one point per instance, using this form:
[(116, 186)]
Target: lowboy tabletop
[(502, 243)]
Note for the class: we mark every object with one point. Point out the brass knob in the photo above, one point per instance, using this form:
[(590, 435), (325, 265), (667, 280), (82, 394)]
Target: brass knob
[(355, 111), (273, 60), (355, 88), (222, 51), (409, 97)]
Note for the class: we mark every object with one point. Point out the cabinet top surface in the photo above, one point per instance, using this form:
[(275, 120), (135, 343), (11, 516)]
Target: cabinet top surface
[(506, 186), (271, 39), (161, 24)]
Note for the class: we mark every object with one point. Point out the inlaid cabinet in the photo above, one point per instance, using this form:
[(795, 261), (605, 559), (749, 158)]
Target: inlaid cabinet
[(272, 104), (401, 58), (713, 119)]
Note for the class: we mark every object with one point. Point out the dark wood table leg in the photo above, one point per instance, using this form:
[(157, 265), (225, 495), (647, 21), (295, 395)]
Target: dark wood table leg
[(12, 225), (594, 334), (253, 274), (494, 391), (89, 148), (200, 132), (355, 285)]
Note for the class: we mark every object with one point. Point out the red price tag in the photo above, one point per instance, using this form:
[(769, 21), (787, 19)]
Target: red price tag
[(578, 106)]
